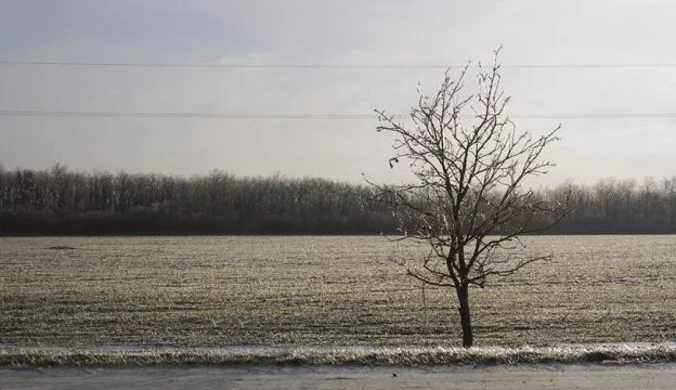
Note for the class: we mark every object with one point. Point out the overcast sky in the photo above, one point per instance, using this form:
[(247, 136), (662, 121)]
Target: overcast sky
[(326, 32)]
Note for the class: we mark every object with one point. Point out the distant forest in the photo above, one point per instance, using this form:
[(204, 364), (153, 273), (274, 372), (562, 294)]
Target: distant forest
[(60, 201)]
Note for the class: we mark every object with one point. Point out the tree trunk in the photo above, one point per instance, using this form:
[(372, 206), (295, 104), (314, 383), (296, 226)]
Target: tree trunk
[(465, 319)]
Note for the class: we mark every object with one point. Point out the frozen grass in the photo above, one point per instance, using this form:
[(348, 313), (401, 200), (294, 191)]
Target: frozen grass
[(346, 356), (156, 292)]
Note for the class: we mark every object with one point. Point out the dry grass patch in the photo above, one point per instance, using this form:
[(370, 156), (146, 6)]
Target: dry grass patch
[(322, 291)]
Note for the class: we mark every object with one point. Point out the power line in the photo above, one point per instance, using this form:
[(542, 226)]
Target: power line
[(193, 115), (322, 66), (92, 114)]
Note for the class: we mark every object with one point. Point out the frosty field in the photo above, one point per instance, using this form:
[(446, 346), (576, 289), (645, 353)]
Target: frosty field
[(322, 292)]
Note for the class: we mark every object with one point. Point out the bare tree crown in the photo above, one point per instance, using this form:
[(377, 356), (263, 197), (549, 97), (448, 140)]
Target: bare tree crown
[(470, 162)]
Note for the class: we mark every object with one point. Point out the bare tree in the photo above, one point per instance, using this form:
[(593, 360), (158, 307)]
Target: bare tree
[(470, 200)]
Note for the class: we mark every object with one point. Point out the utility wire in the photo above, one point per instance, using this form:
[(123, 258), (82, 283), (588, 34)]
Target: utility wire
[(321, 66), (90, 114), (193, 115)]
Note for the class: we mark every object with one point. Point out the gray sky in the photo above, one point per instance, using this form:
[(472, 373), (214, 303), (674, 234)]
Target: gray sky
[(334, 32)]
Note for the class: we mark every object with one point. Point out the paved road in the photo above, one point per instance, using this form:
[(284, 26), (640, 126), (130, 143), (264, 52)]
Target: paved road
[(661, 376)]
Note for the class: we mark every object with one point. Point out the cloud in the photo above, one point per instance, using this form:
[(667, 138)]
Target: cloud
[(323, 32)]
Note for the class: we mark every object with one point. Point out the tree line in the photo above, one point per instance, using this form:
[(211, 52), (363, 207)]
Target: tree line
[(613, 206), (60, 201)]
